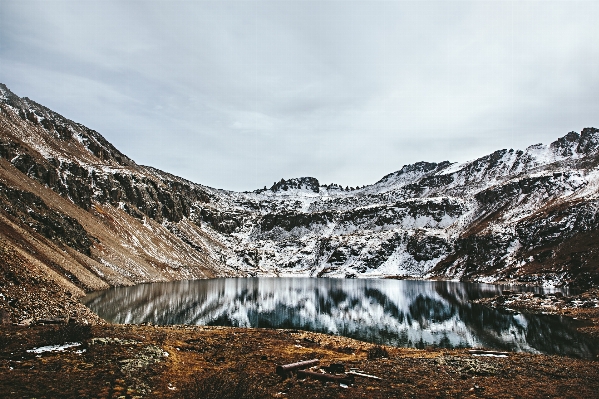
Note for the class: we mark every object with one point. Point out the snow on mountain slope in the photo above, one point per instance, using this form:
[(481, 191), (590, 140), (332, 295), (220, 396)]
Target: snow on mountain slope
[(526, 215), (458, 221)]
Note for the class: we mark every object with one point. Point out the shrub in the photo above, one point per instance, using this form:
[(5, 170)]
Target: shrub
[(72, 332), (377, 352)]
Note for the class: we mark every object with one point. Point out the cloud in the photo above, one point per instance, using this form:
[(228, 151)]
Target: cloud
[(237, 94)]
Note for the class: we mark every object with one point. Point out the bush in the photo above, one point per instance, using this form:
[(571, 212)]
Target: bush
[(72, 332), (377, 352)]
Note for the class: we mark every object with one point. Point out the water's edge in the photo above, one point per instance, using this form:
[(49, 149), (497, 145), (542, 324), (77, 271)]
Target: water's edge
[(405, 313)]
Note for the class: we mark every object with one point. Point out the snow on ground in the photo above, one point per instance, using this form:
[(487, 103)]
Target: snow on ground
[(54, 348)]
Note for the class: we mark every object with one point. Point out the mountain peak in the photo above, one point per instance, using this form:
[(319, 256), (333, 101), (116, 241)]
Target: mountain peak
[(52, 134), (299, 183)]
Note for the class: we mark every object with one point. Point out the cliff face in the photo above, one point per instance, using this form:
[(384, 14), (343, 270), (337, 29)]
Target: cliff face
[(91, 217)]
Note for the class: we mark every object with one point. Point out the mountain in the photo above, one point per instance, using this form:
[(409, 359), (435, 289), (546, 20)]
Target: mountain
[(77, 215), (529, 216)]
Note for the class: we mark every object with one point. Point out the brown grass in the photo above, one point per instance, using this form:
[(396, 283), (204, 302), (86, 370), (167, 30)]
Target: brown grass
[(226, 363)]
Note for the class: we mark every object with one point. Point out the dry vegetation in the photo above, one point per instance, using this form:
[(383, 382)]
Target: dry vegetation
[(201, 362)]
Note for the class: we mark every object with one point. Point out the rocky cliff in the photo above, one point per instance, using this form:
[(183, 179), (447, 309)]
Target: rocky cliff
[(514, 215), (88, 216)]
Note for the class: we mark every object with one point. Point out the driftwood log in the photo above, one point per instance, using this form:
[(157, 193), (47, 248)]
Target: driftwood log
[(285, 369)]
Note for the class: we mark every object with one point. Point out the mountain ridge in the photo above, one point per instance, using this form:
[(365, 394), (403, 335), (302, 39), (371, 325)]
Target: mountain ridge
[(526, 216)]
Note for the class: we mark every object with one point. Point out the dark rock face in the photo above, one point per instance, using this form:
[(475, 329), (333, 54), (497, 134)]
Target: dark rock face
[(141, 195), (32, 211), (565, 146), (395, 213), (377, 255), (482, 252), (221, 221), (546, 185), (308, 183), (427, 247), (558, 225), (160, 199), (291, 220), (589, 141)]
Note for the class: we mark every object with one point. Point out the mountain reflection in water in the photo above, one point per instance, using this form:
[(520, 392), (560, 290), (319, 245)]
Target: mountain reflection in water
[(400, 313)]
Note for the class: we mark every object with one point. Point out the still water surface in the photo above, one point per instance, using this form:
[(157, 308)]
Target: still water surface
[(400, 313)]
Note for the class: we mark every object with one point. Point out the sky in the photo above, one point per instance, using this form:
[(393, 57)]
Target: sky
[(239, 94)]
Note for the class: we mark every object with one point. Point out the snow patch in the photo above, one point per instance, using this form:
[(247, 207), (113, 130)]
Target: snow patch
[(54, 348)]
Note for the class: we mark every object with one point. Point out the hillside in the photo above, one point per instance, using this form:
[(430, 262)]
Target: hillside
[(527, 216), (78, 215)]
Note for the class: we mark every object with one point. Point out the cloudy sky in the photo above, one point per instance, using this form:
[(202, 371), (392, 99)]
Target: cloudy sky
[(238, 94)]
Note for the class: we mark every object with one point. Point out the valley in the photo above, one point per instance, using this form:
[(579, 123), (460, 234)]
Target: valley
[(77, 215)]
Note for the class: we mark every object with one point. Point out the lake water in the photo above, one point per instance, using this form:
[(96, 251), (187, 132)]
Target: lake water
[(393, 312)]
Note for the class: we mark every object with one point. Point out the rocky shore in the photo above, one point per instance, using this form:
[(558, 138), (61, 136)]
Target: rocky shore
[(583, 306), (79, 355)]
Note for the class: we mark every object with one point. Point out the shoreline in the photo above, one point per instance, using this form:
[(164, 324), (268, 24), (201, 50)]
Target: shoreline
[(183, 361), (71, 306)]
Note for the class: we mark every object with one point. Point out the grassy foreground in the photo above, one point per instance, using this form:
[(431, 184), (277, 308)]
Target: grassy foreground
[(115, 361)]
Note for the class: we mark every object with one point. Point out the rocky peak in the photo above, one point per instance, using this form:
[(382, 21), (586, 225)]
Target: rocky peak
[(60, 131), (566, 146), (409, 174), (589, 140), (583, 143), (301, 183), (416, 168), (7, 96)]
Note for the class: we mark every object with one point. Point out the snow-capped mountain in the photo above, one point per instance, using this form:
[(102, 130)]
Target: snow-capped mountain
[(527, 215)]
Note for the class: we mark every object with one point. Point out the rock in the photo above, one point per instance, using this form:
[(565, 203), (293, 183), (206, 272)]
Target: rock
[(5, 317), (54, 320), (25, 323)]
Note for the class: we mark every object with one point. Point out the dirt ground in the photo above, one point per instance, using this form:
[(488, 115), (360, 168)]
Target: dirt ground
[(129, 361)]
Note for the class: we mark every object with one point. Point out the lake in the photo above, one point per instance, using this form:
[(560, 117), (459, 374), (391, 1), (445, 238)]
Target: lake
[(403, 313)]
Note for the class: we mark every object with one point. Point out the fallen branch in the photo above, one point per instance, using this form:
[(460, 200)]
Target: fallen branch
[(285, 369), (358, 374), (342, 379)]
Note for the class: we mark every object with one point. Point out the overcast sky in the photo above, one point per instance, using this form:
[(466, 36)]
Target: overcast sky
[(238, 94)]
